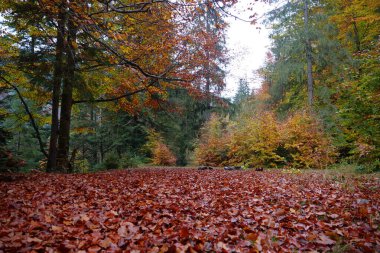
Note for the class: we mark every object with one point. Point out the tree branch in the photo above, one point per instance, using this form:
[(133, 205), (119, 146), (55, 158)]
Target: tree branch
[(132, 64), (126, 9), (116, 98), (31, 118)]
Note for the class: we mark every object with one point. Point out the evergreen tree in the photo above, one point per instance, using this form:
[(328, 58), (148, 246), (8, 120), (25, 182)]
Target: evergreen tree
[(243, 91)]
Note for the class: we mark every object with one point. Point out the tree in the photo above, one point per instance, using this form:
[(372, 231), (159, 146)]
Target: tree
[(358, 102), (209, 26), (304, 48), (122, 52), (243, 91), (212, 145), (309, 58), (343, 41)]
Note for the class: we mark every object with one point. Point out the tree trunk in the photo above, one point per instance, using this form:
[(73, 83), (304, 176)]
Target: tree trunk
[(208, 78), (63, 160), (101, 148), (356, 37), (57, 79), (308, 56), (19, 143)]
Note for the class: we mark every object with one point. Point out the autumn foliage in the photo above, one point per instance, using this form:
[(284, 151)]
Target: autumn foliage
[(212, 146), (259, 139), (160, 153), (254, 141), (305, 143)]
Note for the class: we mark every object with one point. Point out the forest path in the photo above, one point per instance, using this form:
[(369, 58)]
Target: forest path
[(163, 210)]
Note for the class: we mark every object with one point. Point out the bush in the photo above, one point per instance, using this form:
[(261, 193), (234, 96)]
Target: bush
[(368, 168), (254, 141), (163, 156), (8, 162), (81, 165), (111, 161), (258, 139), (304, 142), (158, 151), (129, 160), (212, 146)]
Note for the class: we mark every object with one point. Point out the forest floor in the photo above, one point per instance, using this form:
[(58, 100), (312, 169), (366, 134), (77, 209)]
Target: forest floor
[(186, 210)]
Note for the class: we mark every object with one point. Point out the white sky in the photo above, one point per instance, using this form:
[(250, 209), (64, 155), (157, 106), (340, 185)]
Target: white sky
[(247, 45)]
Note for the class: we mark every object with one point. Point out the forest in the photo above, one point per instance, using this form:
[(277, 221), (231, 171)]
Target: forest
[(103, 97), (116, 85)]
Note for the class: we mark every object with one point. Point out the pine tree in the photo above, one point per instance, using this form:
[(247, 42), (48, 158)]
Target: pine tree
[(243, 91)]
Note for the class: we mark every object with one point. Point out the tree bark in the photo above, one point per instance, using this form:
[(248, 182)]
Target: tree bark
[(63, 161), (309, 57), (57, 80)]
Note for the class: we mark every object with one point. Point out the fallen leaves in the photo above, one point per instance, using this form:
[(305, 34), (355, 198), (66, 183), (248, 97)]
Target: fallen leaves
[(185, 210)]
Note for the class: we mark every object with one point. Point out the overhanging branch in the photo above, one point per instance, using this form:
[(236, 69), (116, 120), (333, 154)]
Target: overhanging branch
[(31, 118), (102, 100)]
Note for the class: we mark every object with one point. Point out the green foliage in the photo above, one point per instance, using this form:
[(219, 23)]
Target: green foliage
[(111, 161), (129, 160), (243, 91), (368, 168), (345, 53), (81, 165)]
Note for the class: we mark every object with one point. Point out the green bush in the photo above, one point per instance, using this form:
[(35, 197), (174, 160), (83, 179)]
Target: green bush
[(368, 168), (129, 160), (111, 161), (81, 165)]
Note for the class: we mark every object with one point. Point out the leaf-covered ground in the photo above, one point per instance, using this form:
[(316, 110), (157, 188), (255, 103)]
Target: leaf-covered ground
[(185, 210)]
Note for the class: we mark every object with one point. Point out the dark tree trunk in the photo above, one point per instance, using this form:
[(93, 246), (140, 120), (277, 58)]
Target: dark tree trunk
[(57, 79), (63, 160), (208, 74), (356, 37), (308, 57)]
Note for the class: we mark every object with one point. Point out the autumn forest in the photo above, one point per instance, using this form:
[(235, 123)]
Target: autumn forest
[(116, 134)]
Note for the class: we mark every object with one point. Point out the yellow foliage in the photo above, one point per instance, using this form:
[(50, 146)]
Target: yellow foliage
[(261, 140), (304, 142), (160, 153), (212, 147), (254, 141)]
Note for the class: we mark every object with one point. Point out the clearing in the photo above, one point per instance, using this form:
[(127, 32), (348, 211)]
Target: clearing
[(176, 210)]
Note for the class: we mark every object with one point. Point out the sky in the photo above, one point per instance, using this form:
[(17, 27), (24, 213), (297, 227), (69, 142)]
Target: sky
[(247, 45)]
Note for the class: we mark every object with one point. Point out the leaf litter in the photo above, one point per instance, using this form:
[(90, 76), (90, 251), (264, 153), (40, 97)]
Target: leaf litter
[(186, 210)]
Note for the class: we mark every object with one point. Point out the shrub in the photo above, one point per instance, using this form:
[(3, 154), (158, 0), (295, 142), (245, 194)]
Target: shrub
[(129, 160), (162, 155), (8, 162), (111, 161), (258, 139), (212, 146), (254, 141), (158, 151), (368, 168), (304, 142), (81, 165)]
